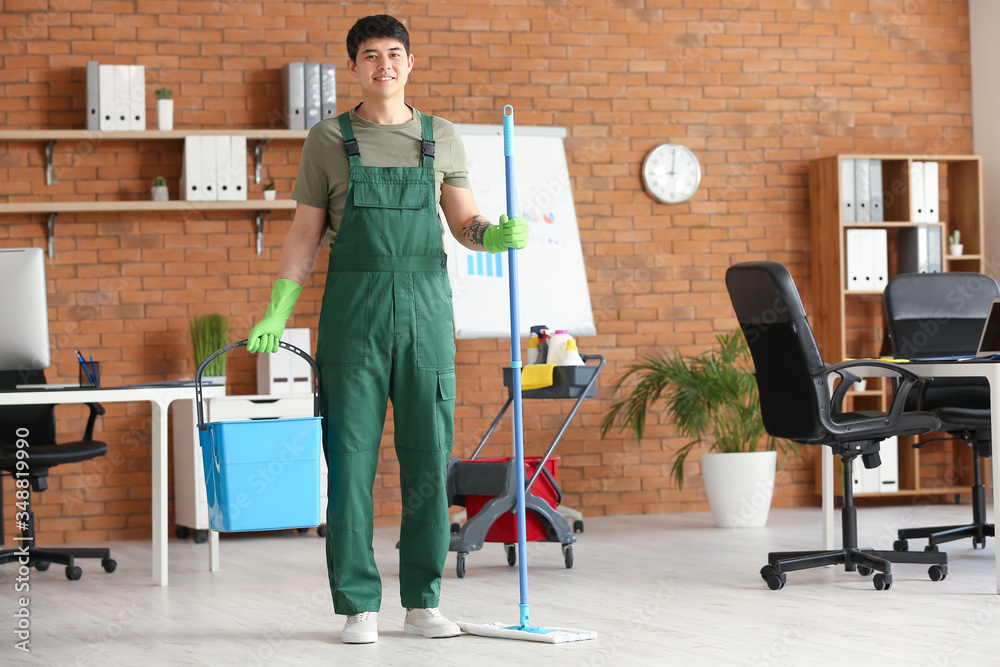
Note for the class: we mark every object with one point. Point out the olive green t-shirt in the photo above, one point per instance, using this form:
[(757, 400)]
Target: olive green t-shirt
[(324, 170)]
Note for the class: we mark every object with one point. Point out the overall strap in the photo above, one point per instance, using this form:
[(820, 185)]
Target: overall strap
[(350, 143), (427, 146)]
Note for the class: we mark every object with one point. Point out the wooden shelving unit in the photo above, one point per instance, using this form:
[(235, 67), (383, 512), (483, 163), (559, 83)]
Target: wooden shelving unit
[(851, 324), (260, 207)]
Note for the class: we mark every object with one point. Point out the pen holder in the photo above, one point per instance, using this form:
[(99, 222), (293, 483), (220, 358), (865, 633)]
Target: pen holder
[(90, 373)]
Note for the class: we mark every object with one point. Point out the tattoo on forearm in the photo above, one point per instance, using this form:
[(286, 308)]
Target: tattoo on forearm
[(475, 229)]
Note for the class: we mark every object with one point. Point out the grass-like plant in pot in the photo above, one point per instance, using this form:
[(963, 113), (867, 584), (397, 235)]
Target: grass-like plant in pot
[(711, 396), (208, 334)]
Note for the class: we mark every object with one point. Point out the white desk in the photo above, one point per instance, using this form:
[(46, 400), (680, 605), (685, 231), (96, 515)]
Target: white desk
[(986, 369), (160, 398)]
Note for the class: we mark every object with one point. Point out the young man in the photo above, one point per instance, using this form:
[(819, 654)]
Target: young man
[(369, 184)]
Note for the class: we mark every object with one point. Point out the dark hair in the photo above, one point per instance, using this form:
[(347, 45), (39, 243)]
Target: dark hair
[(376, 27)]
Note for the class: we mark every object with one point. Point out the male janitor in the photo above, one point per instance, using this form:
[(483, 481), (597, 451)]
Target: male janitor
[(369, 184)]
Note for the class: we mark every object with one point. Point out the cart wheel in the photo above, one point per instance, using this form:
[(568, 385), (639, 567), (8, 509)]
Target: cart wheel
[(578, 526), (302, 530), (900, 545), (321, 531), (568, 555), (73, 572), (511, 554), (42, 565), (200, 536), (460, 564), (455, 528), (182, 532), (108, 564)]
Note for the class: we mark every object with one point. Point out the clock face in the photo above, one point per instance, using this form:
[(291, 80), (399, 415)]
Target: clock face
[(671, 173)]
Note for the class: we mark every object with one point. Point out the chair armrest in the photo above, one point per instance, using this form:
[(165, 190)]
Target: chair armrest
[(95, 409), (907, 381)]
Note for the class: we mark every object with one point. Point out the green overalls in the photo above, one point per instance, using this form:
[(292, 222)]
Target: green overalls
[(385, 331)]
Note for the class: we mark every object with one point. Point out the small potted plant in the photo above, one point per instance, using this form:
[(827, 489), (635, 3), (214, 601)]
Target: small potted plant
[(159, 189), (711, 396), (164, 109), (955, 246), (269, 191), (208, 334)]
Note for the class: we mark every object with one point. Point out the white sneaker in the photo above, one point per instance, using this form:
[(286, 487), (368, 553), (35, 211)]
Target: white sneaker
[(429, 623), (361, 628)]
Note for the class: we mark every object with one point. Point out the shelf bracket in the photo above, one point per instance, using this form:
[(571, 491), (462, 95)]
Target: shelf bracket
[(52, 234), (258, 159), (260, 230), (50, 172)]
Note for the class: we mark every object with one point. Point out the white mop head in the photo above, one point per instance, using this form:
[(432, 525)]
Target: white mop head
[(529, 633)]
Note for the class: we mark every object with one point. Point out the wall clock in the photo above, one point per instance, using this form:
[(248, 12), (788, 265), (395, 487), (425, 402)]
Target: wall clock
[(671, 173)]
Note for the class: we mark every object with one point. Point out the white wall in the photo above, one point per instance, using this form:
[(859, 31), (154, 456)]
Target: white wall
[(984, 20)]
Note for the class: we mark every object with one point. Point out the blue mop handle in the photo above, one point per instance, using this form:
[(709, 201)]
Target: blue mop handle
[(515, 366)]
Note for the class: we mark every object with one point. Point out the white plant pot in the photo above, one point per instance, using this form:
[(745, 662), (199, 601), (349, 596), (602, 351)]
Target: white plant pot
[(270, 195), (739, 486), (956, 248), (165, 114), (159, 193)]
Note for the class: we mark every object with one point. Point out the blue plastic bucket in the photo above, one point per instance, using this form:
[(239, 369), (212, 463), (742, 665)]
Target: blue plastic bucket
[(261, 474)]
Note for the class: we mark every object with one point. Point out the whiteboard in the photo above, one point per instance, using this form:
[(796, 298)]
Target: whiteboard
[(552, 279)]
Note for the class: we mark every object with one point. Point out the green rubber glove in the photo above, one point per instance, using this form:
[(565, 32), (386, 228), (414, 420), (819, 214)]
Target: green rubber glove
[(266, 334), (510, 233)]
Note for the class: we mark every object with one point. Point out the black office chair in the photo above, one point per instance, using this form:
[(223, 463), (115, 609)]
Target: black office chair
[(795, 403), (942, 314), (32, 463)]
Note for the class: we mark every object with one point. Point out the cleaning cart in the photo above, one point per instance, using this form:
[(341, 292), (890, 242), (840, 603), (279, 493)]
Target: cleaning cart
[(262, 474), (487, 488)]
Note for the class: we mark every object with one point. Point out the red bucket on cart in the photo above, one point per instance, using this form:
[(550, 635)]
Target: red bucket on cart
[(504, 529)]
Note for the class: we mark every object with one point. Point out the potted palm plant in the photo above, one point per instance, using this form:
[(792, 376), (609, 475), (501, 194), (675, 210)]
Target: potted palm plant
[(208, 334), (711, 396)]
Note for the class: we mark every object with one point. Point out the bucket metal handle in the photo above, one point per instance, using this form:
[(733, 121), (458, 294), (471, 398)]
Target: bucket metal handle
[(242, 343)]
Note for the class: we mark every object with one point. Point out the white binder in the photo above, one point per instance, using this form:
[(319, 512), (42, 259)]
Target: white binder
[(888, 472), (880, 258), (209, 169), (284, 372), (328, 90), (314, 99), (93, 95), (192, 188), (931, 194), (877, 194), (121, 108), (862, 190), (293, 89), (855, 240), (137, 97), (221, 148), (238, 160), (935, 256), (106, 96), (917, 211), (847, 190), (867, 261)]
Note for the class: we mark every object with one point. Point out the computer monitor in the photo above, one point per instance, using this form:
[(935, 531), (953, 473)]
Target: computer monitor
[(24, 314)]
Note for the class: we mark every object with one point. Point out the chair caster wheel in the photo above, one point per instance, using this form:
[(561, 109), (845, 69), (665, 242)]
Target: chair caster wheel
[(321, 531), (775, 580), (900, 545), (183, 532), (42, 565), (937, 572), (108, 564), (200, 536), (568, 555), (864, 571), (767, 571), (460, 564), (932, 548), (73, 572), (883, 582)]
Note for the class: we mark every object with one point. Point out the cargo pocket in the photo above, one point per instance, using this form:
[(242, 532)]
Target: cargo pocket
[(435, 322), (446, 410)]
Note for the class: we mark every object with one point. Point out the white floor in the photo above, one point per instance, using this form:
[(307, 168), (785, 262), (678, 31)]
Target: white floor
[(659, 590)]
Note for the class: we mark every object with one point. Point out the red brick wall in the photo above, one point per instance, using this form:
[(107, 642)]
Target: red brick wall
[(755, 87)]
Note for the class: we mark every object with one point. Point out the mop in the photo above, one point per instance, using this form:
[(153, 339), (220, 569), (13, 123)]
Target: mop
[(524, 630)]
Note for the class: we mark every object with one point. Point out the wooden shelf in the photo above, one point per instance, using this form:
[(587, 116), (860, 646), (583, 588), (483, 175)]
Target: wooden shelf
[(940, 490), (56, 135), (145, 205), (883, 225)]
